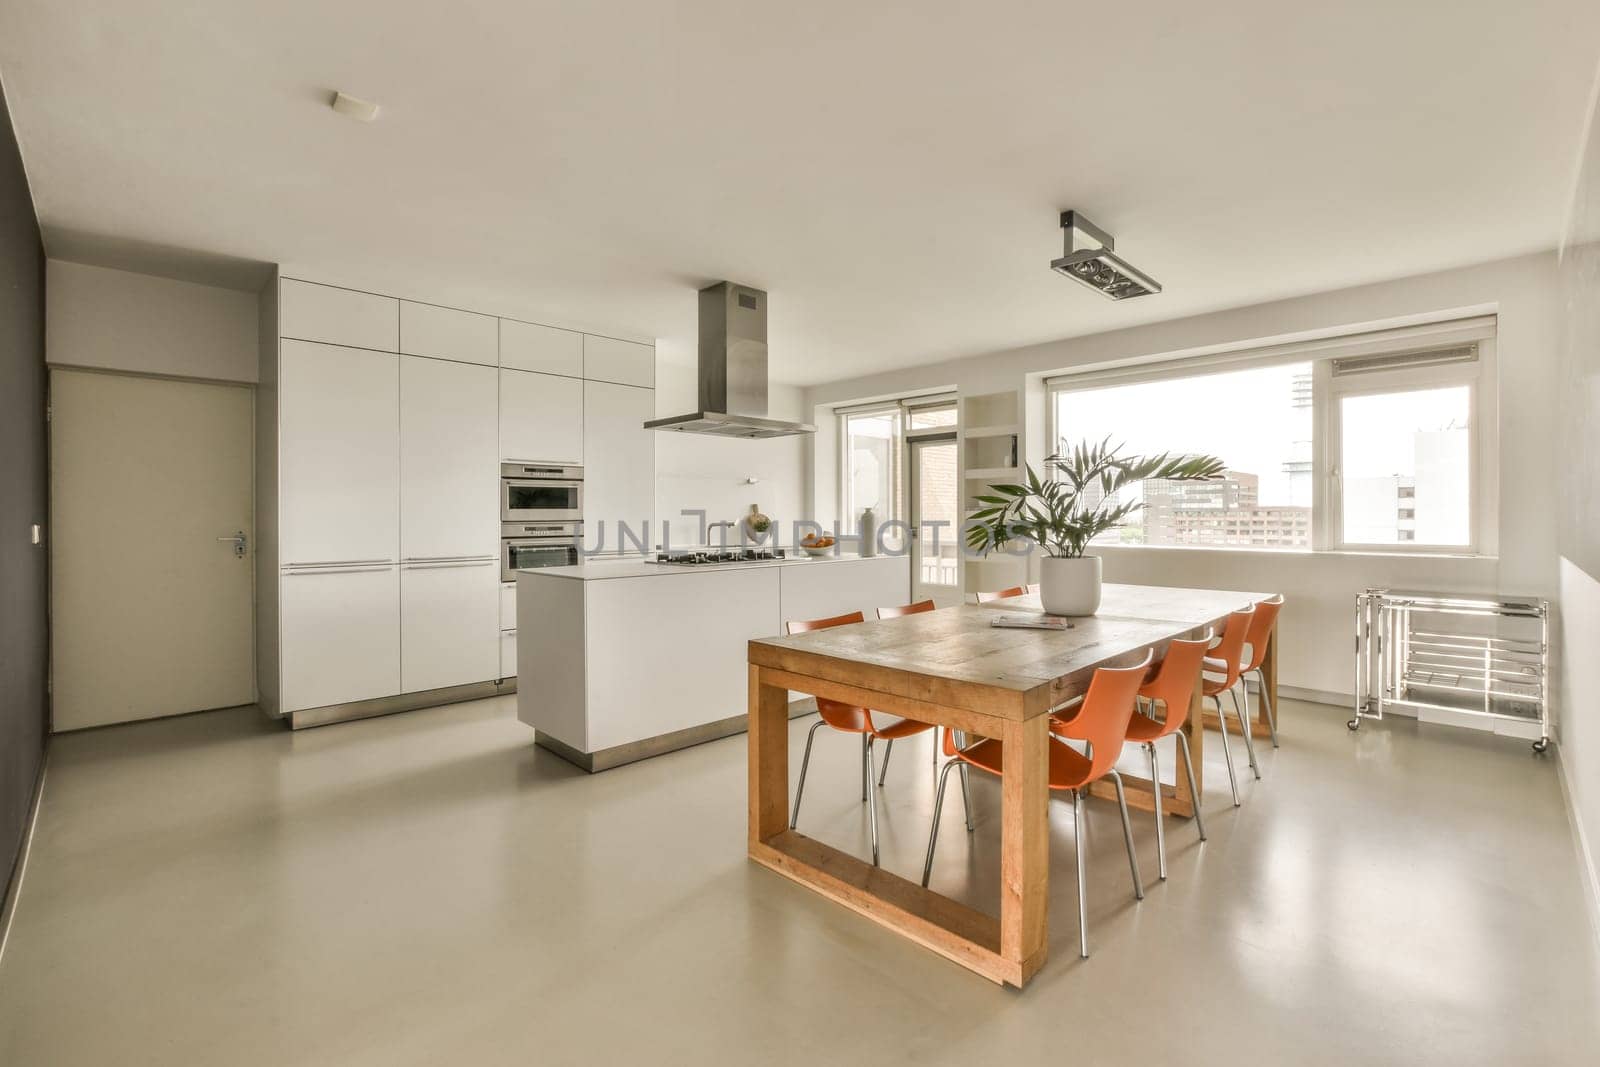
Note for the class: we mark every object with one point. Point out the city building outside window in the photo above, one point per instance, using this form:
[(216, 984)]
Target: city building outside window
[(1259, 420), (1369, 443)]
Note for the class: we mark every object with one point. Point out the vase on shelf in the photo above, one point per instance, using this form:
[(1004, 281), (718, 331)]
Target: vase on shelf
[(869, 533)]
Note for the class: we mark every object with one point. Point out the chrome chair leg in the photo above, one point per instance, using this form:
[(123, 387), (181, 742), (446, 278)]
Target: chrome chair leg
[(1244, 725), (966, 795), (872, 805), (805, 762), (866, 771), (1272, 712), (1161, 829), (1127, 835), (1081, 846), (1227, 753), (888, 750), (1194, 790), (938, 807)]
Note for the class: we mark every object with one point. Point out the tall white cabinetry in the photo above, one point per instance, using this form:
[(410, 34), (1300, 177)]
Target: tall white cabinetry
[(541, 418), (381, 425), (449, 536), (339, 523), (339, 457), (619, 460)]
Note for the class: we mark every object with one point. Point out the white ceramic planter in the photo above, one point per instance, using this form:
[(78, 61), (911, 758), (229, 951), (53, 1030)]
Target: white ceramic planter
[(1070, 586)]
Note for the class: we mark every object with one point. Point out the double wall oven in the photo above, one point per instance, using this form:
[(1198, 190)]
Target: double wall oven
[(541, 516), (543, 493), (536, 544)]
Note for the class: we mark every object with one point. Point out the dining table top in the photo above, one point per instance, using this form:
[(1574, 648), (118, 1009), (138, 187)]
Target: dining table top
[(1025, 671)]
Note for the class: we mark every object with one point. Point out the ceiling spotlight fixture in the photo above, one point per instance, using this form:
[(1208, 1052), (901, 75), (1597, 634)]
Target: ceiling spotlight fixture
[(1089, 258), (354, 107)]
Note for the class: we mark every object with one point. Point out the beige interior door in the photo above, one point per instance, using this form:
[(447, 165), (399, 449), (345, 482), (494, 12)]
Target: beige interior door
[(151, 603)]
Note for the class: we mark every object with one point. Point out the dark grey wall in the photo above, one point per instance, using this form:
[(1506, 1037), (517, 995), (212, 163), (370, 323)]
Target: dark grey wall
[(23, 622)]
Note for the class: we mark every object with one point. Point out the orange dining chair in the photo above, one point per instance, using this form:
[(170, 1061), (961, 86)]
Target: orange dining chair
[(1004, 594), (916, 608), (849, 719), (1172, 687), (909, 609), (1262, 627), (1103, 724), (1226, 660)]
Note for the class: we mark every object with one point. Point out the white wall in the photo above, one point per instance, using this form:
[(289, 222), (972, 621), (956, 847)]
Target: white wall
[(119, 320), (1578, 501), (694, 471), (1320, 589), (1580, 725)]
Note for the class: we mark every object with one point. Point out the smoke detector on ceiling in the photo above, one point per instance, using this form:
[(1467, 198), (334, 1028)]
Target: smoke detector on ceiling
[(354, 107), (1090, 259)]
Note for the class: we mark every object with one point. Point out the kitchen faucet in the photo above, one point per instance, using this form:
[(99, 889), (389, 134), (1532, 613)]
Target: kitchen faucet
[(727, 528)]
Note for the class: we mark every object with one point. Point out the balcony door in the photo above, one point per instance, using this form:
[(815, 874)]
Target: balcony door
[(935, 518)]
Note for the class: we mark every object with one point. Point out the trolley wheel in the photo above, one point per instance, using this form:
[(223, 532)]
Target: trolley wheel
[(1542, 745), (1353, 724)]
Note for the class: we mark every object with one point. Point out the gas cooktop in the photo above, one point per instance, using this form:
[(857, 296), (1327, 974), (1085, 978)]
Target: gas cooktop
[(700, 557)]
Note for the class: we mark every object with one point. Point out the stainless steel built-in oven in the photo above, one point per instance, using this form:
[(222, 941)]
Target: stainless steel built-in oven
[(535, 544), (533, 492)]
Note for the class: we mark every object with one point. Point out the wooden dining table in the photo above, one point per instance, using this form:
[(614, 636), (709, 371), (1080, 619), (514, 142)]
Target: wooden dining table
[(952, 668)]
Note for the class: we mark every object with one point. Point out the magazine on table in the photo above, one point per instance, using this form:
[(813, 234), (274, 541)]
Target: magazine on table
[(1031, 622)]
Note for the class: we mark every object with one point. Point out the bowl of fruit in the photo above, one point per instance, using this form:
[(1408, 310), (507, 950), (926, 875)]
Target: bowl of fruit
[(816, 547)]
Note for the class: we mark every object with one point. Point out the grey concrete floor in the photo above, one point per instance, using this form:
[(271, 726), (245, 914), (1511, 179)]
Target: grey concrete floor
[(431, 888)]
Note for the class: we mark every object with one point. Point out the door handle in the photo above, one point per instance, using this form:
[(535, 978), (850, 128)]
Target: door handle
[(362, 569), (239, 543)]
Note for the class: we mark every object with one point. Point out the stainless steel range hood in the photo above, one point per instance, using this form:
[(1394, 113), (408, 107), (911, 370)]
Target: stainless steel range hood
[(733, 369)]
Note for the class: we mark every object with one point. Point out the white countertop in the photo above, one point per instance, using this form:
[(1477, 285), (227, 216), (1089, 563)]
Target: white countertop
[(639, 568)]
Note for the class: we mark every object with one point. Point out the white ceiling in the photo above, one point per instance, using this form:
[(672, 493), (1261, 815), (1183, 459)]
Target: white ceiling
[(891, 172)]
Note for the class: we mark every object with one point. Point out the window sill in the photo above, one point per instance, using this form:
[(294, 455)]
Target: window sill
[(1260, 550)]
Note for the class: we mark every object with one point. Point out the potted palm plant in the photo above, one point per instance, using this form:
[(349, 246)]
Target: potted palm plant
[(1061, 515)]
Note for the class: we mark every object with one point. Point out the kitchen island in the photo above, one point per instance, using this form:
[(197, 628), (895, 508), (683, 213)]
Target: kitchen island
[(619, 660)]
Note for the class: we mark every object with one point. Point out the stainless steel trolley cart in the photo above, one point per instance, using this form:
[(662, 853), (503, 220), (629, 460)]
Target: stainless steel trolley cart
[(1449, 652)]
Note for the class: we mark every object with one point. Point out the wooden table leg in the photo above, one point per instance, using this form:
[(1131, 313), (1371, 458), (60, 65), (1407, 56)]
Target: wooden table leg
[(1196, 738), (1174, 798), (1009, 949), (1025, 846), (769, 759), (1269, 674)]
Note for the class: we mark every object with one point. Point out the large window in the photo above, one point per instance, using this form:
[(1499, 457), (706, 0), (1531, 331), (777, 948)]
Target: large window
[(873, 460), (1371, 443), (1258, 420), (873, 464)]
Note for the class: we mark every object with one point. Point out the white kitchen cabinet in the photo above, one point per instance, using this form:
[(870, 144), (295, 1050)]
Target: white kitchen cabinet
[(326, 313), (449, 459), (339, 454), (541, 418), (606, 359), (619, 468), (529, 346), (449, 624), (341, 635), (508, 653), (445, 333), (508, 605)]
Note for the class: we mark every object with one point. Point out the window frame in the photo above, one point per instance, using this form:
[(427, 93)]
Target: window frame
[(1328, 393), (1327, 519), (904, 408), (897, 458)]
